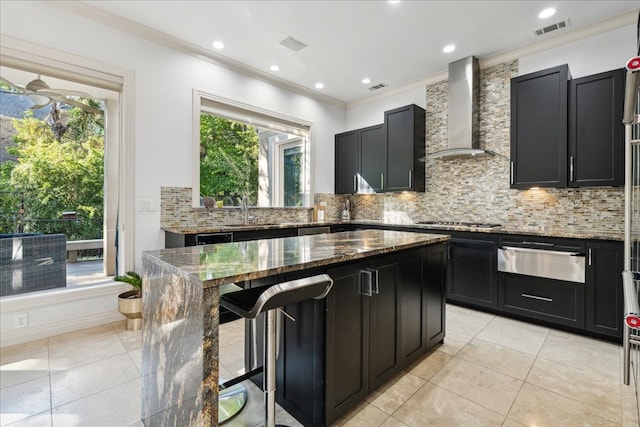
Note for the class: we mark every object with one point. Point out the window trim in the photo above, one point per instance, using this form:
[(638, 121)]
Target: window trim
[(204, 102)]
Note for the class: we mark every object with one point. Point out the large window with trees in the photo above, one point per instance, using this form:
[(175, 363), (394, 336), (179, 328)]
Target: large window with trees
[(244, 151), (54, 180)]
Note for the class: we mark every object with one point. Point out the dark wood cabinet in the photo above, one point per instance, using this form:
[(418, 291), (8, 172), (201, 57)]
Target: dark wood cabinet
[(380, 317), (472, 270), (555, 301), (539, 128), (434, 276), (373, 159), (347, 341), (604, 296), (405, 127), (347, 162), (596, 132), (360, 160), (384, 320), (383, 157)]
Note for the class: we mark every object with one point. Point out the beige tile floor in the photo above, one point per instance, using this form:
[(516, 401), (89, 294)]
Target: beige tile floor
[(490, 371)]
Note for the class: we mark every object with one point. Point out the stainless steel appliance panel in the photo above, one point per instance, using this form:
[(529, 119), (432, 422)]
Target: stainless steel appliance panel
[(568, 266), (208, 239)]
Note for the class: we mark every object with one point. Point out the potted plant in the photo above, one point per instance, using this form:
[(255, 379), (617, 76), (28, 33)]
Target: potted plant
[(130, 302)]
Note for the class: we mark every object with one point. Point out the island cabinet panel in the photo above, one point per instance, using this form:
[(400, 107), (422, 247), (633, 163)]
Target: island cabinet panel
[(347, 342), (382, 314), (385, 317), (384, 320)]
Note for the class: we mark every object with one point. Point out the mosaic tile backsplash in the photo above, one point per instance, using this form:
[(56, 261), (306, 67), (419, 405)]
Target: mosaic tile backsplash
[(464, 189), (477, 189)]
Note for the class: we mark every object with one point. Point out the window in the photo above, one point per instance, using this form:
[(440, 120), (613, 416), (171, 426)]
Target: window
[(53, 183), (244, 150)]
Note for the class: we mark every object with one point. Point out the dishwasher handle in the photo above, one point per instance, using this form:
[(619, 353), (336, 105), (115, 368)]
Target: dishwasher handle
[(545, 251)]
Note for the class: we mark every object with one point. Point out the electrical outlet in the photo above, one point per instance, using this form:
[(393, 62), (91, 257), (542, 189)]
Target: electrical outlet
[(21, 320)]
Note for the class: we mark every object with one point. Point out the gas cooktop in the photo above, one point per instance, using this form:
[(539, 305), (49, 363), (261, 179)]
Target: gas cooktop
[(447, 224)]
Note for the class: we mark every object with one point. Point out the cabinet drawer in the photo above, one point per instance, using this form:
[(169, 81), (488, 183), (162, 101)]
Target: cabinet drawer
[(550, 300)]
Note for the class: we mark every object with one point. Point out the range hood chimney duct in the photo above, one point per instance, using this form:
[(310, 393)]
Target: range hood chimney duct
[(464, 93)]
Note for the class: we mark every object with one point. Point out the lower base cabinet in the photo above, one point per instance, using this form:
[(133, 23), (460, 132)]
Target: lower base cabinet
[(549, 300), (381, 315), (604, 296)]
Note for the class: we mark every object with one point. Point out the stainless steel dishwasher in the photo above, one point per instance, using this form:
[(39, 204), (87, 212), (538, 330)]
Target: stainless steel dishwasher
[(542, 280)]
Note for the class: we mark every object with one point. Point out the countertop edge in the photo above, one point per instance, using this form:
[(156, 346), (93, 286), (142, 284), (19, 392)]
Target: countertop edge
[(542, 232)]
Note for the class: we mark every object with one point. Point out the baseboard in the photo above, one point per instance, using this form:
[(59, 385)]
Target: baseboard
[(19, 336)]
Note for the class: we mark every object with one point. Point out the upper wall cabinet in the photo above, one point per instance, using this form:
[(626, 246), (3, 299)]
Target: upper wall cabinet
[(383, 157), (567, 132), (361, 160), (405, 145), (596, 132), (539, 128), (347, 163)]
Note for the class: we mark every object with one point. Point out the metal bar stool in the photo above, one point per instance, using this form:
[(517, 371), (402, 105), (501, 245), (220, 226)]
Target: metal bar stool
[(249, 303)]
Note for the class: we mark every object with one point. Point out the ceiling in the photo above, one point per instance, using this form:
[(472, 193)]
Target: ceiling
[(392, 43)]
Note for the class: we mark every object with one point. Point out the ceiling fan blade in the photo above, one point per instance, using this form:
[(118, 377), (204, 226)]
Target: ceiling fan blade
[(16, 89), (64, 92), (75, 103)]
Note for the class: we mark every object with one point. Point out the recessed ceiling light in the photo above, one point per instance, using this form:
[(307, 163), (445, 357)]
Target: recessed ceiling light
[(319, 85), (366, 81), (218, 44), (449, 48), (274, 68), (394, 1), (547, 13)]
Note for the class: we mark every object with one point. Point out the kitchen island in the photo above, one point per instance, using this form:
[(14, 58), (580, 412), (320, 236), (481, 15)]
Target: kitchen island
[(180, 310)]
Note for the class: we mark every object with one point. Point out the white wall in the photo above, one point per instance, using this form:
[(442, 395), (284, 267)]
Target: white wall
[(164, 80), (372, 113), (596, 54)]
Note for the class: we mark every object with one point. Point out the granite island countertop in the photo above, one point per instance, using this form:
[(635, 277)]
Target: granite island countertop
[(180, 349), (571, 232), (219, 264)]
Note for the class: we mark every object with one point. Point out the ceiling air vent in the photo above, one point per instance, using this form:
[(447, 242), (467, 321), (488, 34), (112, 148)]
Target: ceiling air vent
[(557, 26), (378, 86), (293, 44)]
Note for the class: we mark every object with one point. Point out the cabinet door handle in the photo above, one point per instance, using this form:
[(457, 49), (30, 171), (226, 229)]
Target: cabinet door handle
[(511, 172), (410, 177), (571, 168), (377, 281), (537, 297), (589, 256), (355, 183), (382, 180), (448, 252)]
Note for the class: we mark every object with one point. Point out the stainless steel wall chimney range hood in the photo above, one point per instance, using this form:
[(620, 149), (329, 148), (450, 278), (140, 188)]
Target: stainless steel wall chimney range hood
[(464, 92)]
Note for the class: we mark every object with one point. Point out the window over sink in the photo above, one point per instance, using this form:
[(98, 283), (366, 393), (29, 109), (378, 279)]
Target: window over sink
[(242, 150)]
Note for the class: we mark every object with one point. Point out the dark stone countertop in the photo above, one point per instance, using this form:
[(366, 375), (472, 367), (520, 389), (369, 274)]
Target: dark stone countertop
[(571, 232), (219, 264)]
